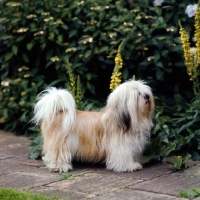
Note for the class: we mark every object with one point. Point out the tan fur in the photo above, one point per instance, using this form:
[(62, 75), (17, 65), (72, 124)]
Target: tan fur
[(89, 135), (116, 135)]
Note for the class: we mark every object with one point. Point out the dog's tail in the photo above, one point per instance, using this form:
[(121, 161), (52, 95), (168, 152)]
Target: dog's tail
[(52, 102)]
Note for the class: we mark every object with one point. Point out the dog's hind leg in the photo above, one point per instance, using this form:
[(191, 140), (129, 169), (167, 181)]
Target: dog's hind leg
[(57, 158), (57, 155), (55, 111)]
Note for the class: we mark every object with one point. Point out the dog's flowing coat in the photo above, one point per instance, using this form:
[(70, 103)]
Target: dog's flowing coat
[(116, 135)]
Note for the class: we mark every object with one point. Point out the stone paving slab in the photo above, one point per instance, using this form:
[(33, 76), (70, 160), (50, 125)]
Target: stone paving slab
[(6, 133), (153, 182), (10, 140), (2, 156), (8, 168), (128, 194), (193, 171), (26, 161), (120, 194), (94, 184), (7, 138), (170, 184), (27, 179), (16, 150), (148, 172), (18, 153), (51, 191)]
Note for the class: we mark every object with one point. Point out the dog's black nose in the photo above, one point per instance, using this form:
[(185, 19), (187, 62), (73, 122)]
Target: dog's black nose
[(146, 96)]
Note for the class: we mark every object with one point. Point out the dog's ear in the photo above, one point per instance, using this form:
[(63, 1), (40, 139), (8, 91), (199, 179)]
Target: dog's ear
[(123, 118), (126, 120)]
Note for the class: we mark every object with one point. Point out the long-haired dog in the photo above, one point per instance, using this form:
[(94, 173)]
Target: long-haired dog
[(116, 135)]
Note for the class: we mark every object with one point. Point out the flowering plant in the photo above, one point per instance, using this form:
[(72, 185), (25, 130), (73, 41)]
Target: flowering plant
[(158, 2), (190, 10), (192, 55), (116, 76)]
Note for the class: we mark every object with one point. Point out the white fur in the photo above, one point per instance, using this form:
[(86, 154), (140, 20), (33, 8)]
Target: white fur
[(117, 135), (50, 102)]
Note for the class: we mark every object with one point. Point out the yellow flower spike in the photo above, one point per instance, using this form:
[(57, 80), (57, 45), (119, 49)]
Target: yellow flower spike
[(75, 86), (186, 49), (197, 33), (71, 78), (116, 75), (192, 55)]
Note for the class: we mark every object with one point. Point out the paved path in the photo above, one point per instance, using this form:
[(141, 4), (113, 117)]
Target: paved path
[(155, 182)]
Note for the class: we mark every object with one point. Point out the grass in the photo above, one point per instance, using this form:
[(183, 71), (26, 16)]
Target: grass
[(13, 194)]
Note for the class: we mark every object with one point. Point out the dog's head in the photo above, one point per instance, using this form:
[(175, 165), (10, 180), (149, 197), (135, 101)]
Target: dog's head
[(131, 104)]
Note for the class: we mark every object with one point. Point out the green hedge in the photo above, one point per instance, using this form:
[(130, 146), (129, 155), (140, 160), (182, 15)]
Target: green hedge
[(39, 36)]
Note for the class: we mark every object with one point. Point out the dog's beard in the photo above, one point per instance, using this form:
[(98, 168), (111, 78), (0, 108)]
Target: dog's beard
[(116, 135)]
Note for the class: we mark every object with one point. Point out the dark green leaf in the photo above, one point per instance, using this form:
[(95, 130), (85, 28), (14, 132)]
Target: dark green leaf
[(25, 57), (29, 45), (159, 74), (72, 33), (156, 145), (177, 162), (125, 74), (35, 155), (170, 147), (14, 49), (87, 53), (8, 56), (195, 155), (186, 158), (146, 159)]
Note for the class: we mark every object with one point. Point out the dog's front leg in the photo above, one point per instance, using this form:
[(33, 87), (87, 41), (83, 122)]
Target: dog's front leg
[(122, 164), (120, 156)]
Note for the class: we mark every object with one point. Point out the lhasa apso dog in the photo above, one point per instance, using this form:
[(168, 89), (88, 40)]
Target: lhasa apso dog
[(116, 135)]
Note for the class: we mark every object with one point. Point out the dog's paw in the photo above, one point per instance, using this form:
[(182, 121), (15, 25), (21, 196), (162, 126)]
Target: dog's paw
[(134, 167), (56, 167), (60, 167), (65, 168), (130, 167)]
